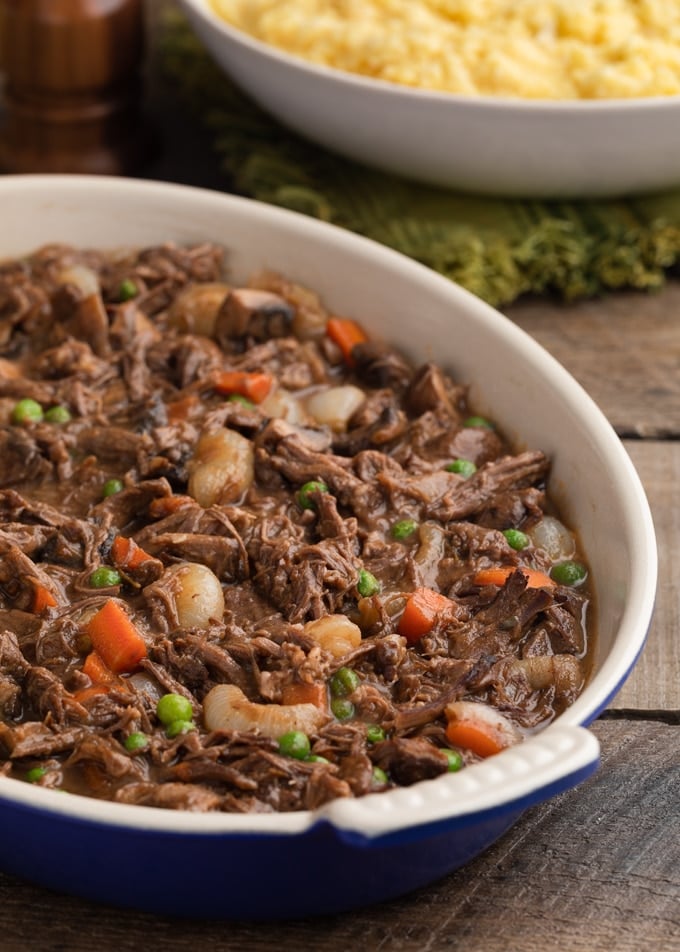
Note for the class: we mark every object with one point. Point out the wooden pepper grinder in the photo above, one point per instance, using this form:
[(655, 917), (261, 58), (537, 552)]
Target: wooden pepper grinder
[(72, 71)]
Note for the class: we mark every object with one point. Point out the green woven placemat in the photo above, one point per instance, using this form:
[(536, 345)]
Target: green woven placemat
[(498, 249)]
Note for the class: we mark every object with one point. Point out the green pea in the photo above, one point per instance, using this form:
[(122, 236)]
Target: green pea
[(27, 411), (35, 774), (303, 496), (344, 682), (464, 467), (374, 733), (127, 289), (379, 777), (104, 577), (239, 398), (111, 487), (342, 708), (316, 759), (404, 528), (58, 414), (568, 573), (478, 421), (454, 758), (516, 539), (174, 707), (136, 741), (180, 726), (368, 584), (294, 744)]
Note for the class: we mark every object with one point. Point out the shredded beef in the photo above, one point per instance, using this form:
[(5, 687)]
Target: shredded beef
[(409, 759), (286, 567)]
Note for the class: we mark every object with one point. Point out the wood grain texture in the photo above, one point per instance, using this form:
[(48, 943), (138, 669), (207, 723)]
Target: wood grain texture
[(594, 870), (654, 684), (625, 351)]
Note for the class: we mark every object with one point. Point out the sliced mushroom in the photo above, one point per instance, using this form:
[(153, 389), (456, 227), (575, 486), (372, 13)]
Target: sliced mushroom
[(249, 312), (318, 440), (195, 309), (381, 366), (93, 324)]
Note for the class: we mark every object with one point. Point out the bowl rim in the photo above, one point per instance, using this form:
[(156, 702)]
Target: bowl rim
[(356, 83), (561, 755), (563, 749)]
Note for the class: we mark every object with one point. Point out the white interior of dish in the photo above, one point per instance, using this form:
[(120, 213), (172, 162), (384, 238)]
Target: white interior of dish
[(533, 399), (492, 145), (204, 9)]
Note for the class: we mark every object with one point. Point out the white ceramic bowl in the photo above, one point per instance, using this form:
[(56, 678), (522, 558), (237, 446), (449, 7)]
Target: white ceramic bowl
[(488, 145), (350, 852)]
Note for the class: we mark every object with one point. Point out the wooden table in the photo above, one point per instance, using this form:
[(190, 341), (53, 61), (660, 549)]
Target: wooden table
[(597, 868)]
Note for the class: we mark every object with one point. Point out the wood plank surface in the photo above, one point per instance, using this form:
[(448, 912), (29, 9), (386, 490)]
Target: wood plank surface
[(624, 349), (594, 870), (654, 684)]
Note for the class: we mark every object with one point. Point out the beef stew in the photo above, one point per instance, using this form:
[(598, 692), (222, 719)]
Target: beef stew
[(253, 560)]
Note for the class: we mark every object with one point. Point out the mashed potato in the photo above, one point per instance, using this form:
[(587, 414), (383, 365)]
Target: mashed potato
[(532, 49)]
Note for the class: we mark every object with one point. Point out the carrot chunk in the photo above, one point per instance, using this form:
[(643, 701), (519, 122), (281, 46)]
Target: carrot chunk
[(115, 638), (85, 695), (500, 575), (96, 670), (167, 505), (479, 727), (253, 386), (346, 334), (179, 410), (480, 738), (420, 613), (101, 676), (126, 554), (42, 598), (303, 693)]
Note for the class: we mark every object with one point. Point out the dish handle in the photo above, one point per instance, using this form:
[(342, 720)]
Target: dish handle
[(506, 784)]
